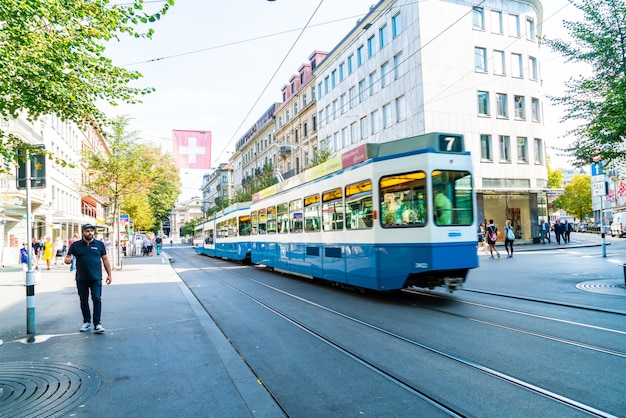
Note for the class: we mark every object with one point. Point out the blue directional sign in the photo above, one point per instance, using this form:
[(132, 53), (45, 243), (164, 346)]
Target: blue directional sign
[(596, 168)]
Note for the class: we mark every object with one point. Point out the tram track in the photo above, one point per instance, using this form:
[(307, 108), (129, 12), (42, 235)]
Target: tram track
[(421, 392)]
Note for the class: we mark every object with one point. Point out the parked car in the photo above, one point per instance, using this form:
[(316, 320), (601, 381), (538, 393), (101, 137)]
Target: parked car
[(583, 227)]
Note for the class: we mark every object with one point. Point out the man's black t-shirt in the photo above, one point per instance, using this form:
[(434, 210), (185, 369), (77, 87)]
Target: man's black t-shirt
[(88, 259)]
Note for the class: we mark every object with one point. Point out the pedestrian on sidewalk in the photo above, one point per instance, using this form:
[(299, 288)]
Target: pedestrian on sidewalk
[(558, 231), (48, 249), (509, 237), (567, 228), (492, 237), (90, 255), (69, 244), (545, 231)]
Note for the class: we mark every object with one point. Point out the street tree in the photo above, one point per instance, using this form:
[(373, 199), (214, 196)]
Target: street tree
[(597, 101), (122, 172), (576, 197), (555, 177), (165, 185), (52, 61)]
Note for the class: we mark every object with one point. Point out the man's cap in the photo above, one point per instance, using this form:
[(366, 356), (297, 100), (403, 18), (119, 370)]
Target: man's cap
[(87, 226)]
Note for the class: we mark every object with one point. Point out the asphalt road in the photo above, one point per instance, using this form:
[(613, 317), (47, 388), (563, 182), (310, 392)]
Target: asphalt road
[(539, 334)]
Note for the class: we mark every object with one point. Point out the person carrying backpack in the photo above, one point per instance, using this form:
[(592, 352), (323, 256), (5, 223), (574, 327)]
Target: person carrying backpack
[(492, 237)]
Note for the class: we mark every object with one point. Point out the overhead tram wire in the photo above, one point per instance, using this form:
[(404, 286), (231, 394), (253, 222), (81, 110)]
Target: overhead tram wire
[(270, 80)]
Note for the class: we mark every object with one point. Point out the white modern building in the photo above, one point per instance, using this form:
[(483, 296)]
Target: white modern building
[(413, 67)]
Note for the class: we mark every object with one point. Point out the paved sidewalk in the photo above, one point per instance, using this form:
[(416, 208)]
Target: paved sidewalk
[(161, 355)]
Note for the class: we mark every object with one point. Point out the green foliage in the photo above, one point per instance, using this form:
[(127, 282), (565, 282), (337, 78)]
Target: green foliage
[(188, 229), (264, 180), (576, 197), (137, 177), (599, 100), (52, 60), (555, 177), (321, 155)]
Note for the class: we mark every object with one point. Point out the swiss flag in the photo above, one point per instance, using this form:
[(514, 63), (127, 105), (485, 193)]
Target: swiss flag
[(192, 149)]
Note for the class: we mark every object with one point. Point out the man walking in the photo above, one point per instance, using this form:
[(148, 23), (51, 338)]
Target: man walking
[(90, 255), (545, 232)]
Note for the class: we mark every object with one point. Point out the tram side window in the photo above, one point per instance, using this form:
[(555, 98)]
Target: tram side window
[(208, 236), (403, 200), (271, 220), (282, 218), (254, 226), (312, 213), (231, 226), (222, 229), (295, 215), (452, 197), (262, 221), (332, 210), (359, 205), (244, 225)]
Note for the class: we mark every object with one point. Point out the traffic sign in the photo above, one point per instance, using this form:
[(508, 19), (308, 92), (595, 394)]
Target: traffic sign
[(598, 188), (596, 168)]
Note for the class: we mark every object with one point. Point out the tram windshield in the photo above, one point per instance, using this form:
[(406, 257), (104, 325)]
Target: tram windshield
[(404, 199)]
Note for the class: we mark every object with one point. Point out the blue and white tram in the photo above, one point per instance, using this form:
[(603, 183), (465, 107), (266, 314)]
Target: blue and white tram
[(381, 216), (225, 234)]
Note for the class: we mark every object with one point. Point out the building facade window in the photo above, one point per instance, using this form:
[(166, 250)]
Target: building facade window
[(535, 110), (520, 107), (496, 22), (486, 153), (364, 127), (342, 71), (514, 28), (383, 37), (398, 65), (372, 81), (344, 138), (505, 148), (502, 103), (384, 75), (350, 64), (342, 103), (400, 108), (353, 97), (533, 69), (396, 25), (333, 79), (483, 103), (478, 18), (522, 149), (517, 66), (374, 121), (480, 57), (499, 63), (386, 115), (531, 34), (538, 150), (362, 91), (371, 46), (360, 59), (353, 135)]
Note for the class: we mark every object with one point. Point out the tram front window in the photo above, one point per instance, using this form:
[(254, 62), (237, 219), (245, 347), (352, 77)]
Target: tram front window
[(452, 197)]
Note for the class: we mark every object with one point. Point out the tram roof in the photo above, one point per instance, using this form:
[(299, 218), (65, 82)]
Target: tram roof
[(436, 142)]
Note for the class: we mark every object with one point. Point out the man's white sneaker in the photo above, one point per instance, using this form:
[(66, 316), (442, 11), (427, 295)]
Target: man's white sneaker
[(99, 329), (85, 327)]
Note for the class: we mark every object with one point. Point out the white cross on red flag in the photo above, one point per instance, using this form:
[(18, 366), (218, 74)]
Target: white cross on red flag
[(192, 149)]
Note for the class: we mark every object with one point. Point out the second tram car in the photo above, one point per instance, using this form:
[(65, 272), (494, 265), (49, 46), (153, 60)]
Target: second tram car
[(381, 216)]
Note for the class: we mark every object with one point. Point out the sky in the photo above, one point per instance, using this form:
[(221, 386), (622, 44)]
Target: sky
[(218, 66)]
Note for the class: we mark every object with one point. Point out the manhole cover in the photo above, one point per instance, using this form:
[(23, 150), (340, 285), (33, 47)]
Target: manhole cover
[(605, 287), (29, 389)]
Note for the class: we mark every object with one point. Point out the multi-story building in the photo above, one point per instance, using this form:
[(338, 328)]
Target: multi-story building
[(255, 149), (409, 68), (296, 120), (217, 187), (59, 208)]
